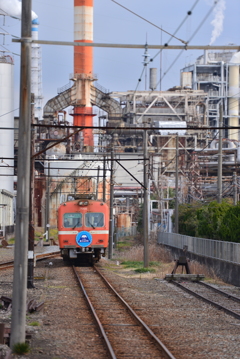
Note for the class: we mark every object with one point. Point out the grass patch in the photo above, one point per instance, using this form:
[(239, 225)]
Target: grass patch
[(138, 264), (53, 233), (123, 245), (38, 234), (132, 264), (21, 348), (145, 270), (34, 324), (11, 240)]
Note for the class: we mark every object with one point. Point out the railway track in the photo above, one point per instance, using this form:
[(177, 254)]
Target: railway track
[(224, 301), (39, 257), (124, 333)]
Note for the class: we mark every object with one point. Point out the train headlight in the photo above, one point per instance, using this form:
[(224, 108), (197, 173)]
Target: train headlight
[(82, 203)]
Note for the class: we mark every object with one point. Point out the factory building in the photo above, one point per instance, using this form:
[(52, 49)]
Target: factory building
[(217, 74), (70, 162)]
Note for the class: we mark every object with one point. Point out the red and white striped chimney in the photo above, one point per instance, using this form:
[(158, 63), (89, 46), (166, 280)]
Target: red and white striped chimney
[(83, 67)]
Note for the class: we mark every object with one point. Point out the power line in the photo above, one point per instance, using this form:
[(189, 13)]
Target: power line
[(172, 36), (186, 17), (8, 113), (195, 32), (184, 42)]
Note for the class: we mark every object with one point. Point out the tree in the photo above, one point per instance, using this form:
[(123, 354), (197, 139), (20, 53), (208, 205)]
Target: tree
[(230, 225), (210, 219), (188, 223)]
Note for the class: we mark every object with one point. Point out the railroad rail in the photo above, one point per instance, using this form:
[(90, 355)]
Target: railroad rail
[(124, 332), (206, 292), (39, 257)]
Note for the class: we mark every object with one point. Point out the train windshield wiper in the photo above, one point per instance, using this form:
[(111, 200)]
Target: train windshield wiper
[(78, 222)]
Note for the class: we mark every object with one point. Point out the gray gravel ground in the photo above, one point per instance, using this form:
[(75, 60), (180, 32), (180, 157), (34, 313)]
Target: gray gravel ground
[(188, 327)]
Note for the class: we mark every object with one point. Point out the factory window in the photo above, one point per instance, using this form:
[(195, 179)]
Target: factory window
[(72, 220), (94, 220)]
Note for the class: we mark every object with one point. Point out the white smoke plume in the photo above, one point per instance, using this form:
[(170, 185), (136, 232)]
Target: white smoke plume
[(13, 8), (217, 22)]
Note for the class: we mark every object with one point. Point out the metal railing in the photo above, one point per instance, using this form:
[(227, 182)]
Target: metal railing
[(226, 251), (64, 88), (124, 232)]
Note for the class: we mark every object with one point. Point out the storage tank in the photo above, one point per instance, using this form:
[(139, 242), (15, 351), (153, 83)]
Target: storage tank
[(6, 121), (123, 220)]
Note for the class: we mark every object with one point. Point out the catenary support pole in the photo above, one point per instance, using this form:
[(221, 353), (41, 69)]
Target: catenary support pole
[(47, 225), (176, 189), (30, 277), (235, 189), (146, 199), (219, 194), (23, 186), (104, 178), (111, 219)]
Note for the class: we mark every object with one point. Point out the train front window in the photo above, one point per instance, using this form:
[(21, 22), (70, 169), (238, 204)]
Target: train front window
[(72, 220), (94, 220)]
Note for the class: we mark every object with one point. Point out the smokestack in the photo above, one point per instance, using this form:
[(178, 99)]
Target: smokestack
[(233, 102), (153, 79), (205, 57), (83, 68)]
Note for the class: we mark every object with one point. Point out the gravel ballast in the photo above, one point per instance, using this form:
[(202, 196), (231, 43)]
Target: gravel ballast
[(63, 329)]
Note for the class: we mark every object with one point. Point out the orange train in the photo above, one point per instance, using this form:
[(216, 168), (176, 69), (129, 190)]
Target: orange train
[(83, 229)]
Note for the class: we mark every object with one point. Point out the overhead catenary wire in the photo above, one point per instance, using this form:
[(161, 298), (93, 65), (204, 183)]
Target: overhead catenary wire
[(172, 36), (190, 39), (184, 42), (178, 28)]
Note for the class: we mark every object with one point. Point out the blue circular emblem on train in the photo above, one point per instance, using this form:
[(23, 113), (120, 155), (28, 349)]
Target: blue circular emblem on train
[(84, 238)]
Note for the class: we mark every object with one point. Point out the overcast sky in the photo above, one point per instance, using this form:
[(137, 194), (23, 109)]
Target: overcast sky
[(119, 69)]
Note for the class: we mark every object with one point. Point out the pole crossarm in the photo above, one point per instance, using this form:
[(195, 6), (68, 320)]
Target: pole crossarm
[(133, 46), (131, 174)]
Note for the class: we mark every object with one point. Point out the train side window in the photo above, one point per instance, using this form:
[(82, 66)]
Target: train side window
[(72, 220), (94, 220)]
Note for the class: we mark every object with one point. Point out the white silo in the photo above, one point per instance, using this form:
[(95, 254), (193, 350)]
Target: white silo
[(36, 72), (233, 102), (6, 121)]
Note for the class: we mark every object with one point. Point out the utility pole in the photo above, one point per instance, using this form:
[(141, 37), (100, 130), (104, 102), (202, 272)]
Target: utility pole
[(235, 188), (104, 178), (98, 174), (47, 204), (176, 189), (30, 283), (23, 187), (110, 246), (146, 200), (219, 194)]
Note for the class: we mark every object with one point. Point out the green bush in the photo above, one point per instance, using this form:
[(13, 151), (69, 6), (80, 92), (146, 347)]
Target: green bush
[(220, 221), (230, 225), (21, 348)]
